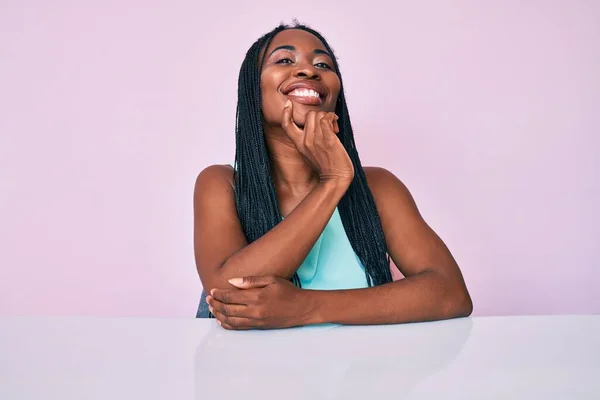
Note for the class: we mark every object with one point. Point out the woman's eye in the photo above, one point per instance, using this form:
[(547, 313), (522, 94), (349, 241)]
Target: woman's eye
[(284, 61), (322, 65)]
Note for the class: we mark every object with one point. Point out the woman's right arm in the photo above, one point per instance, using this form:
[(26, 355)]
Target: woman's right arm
[(220, 246)]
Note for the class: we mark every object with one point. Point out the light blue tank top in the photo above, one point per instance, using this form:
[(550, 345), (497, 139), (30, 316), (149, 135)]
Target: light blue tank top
[(332, 263)]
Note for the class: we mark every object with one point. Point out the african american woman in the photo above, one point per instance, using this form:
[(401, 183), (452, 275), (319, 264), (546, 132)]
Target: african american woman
[(298, 232)]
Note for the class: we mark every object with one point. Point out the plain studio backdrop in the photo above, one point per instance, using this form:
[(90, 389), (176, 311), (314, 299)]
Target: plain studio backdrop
[(488, 111)]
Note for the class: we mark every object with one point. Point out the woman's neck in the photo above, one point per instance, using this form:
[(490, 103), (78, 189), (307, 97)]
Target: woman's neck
[(291, 172)]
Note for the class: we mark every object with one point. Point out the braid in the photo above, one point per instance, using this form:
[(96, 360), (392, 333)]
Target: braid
[(255, 195)]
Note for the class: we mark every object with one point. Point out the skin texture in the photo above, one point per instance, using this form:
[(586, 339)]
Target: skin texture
[(248, 283)]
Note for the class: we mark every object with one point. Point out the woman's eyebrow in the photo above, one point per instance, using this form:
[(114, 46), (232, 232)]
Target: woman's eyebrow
[(292, 48), (284, 47), (320, 51)]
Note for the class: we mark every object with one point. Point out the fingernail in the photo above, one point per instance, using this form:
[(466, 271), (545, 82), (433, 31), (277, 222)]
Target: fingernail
[(237, 281), (212, 292), (287, 104), (218, 322), (212, 311)]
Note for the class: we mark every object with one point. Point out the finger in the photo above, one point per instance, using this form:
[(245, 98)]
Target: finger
[(232, 323), (309, 129), (233, 296), (288, 124), (319, 121), (230, 310), (336, 127), (332, 120), (231, 328), (249, 282), (326, 127)]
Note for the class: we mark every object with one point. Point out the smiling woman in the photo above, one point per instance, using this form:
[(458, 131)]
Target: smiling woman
[(298, 232)]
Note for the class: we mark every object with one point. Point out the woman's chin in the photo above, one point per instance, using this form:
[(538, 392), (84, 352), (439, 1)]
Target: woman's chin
[(299, 118), (300, 124)]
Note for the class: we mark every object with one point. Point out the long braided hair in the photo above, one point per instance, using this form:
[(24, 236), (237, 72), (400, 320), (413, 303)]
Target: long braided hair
[(255, 195)]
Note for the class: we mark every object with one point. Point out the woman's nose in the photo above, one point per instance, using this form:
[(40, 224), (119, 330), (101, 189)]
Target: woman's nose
[(306, 71)]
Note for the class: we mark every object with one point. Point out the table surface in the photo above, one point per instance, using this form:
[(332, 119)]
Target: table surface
[(537, 357)]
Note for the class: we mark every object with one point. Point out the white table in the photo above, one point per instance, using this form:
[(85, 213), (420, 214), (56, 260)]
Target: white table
[(554, 357)]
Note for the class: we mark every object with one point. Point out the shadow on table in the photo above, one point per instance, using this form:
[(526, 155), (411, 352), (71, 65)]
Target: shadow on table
[(325, 362)]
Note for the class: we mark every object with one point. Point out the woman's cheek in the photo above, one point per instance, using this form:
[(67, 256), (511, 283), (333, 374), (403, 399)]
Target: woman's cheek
[(272, 113)]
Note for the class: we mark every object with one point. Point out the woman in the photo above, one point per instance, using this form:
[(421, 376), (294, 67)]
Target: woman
[(299, 232)]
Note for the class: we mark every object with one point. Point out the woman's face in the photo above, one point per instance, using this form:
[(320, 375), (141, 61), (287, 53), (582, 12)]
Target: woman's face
[(299, 68)]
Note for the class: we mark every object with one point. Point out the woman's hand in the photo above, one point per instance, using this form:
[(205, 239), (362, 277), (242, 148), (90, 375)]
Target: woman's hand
[(319, 144), (264, 302)]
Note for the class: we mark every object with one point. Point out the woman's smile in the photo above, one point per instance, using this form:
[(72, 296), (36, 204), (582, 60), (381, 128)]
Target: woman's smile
[(306, 92)]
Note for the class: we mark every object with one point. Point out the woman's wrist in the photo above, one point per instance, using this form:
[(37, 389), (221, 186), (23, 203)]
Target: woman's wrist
[(338, 186), (313, 302)]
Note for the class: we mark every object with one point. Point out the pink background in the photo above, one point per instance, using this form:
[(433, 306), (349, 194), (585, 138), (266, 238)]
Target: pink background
[(488, 111)]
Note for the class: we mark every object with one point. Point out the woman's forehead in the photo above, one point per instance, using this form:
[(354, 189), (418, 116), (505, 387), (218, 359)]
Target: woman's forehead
[(297, 38)]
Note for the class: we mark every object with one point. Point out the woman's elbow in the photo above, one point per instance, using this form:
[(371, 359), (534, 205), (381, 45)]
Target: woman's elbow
[(465, 305), (458, 304)]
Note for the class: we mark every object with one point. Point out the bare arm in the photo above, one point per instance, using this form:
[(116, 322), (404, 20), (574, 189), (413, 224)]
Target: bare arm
[(423, 297), (221, 249), (433, 288)]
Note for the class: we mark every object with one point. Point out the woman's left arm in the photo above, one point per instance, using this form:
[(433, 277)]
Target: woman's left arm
[(433, 287)]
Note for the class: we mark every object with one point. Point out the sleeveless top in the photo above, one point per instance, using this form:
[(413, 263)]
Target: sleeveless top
[(331, 264)]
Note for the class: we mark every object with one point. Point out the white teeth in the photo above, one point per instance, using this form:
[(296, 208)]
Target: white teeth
[(305, 93)]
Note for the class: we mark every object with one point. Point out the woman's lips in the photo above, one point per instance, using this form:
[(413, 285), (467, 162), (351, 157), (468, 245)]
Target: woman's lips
[(309, 101), (305, 96)]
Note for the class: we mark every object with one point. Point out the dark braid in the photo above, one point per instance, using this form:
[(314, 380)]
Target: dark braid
[(255, 195)]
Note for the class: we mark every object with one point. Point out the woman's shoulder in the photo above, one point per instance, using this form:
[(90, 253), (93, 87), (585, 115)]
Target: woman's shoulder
[(217, 173), (379, 176), (386, 187), (214, 181)]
